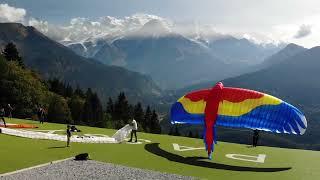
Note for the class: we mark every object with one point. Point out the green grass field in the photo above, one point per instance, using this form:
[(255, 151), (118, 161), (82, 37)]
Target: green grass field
[(17, 153)]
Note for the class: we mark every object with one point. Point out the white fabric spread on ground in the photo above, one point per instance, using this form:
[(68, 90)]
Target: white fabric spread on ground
[(118, 137), (122, 133)]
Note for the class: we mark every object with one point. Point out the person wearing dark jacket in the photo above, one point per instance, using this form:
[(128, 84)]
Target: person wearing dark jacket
[(2, 114), (134, 126), (40, 114), (68, 135), (255, 138), (10, 109)]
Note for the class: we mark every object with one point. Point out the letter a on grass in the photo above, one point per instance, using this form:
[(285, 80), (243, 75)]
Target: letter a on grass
[(177, 147)]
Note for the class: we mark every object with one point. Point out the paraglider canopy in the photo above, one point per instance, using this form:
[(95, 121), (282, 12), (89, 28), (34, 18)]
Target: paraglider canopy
[(237, 107)]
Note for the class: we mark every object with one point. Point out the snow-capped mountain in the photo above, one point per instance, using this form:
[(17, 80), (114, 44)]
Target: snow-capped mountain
[(242, 51), (173, 54), (156, 50)]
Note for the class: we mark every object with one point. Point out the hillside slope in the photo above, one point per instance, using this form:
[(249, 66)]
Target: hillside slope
[(289, 51), (242, 51), (52, 59), (295, 79)]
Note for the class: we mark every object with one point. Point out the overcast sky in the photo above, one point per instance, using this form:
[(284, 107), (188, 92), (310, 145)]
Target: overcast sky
[(295, 21)]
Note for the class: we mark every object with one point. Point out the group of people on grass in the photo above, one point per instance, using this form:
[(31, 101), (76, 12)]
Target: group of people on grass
[(6, 112)]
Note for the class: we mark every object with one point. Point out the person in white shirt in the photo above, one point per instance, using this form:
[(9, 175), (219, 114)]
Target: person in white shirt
[(134, 130)]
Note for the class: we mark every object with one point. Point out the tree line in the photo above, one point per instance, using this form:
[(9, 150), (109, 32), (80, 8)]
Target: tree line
[(86, 109), (63, 103)]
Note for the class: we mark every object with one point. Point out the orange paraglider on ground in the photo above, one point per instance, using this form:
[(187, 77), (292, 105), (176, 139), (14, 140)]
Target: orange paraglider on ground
[(19, 126)]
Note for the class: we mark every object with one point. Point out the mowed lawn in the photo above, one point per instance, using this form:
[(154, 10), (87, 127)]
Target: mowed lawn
[(159, 154)]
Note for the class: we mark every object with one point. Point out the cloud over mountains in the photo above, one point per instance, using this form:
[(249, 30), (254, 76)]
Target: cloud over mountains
[(82, 29), (108, 27), (304, 30), (11, 14)]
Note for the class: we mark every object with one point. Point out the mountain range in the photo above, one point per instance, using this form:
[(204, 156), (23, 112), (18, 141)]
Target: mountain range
[(286, 53), (53, 60), (242, 51), (174, 60)]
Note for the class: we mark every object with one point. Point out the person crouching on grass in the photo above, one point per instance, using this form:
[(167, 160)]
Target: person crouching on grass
[(68, 135), (134, 130)]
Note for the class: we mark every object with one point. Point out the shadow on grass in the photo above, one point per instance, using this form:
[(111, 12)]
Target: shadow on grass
[(197, 161), (57, 147)]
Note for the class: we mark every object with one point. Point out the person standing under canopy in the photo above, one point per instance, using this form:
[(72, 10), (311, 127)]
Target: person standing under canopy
[(255, 138), (134, 130)]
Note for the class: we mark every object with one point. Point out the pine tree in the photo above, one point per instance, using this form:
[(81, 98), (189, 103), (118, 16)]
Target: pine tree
[(97, 119), (147, 119), (138, 114), (59, 111), (109, 123), (92, 114), (110, 106), (89, 93), (129, 114), (56, 86), (11, 53), (109, 112), (87, 113), (76, 105), (176, 132), (121, 112), (154, 123), (79, 92), (68, 90)]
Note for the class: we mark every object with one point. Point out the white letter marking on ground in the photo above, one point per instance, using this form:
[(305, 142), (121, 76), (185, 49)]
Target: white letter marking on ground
[(259, 159), (177, 147)]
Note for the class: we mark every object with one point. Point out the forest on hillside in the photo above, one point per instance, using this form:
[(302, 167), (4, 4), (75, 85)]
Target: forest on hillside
[(28, 93)]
